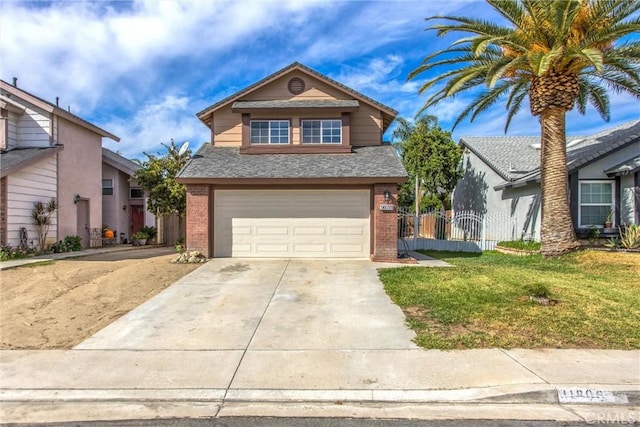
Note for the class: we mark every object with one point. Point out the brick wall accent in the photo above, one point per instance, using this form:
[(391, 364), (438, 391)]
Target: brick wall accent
[(3, 211), (198, 225), (385, 244)]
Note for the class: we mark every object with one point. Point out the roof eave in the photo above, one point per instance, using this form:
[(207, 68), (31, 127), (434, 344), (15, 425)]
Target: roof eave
[(49, 151)]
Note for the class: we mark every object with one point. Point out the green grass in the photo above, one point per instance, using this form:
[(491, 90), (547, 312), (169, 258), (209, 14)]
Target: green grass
[(485, 300), (521, 244)]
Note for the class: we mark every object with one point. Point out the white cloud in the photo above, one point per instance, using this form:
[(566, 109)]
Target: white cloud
[(155, 123)]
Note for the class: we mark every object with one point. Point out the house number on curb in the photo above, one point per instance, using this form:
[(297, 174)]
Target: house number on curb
[(590, 395)]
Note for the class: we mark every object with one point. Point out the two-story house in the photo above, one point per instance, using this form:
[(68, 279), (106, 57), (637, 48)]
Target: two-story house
[(296, 167), (47, 152)]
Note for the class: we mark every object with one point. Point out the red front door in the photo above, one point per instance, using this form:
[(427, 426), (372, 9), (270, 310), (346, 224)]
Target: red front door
[(137, 218)]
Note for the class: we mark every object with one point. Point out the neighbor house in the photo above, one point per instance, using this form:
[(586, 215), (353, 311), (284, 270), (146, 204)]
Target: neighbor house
[(124, 203), (47, 152), (502, 177), (296, 167)]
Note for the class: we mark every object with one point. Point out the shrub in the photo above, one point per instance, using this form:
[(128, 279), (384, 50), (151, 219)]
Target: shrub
[(69, 244), (521, 244), (538, 290), (138, 235), (8, 252)]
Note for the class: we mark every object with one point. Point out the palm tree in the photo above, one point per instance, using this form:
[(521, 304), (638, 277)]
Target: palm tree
[(559, 53)]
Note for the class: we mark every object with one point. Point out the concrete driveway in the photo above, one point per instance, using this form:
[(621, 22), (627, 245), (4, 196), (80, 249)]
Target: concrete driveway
[(265, 304)]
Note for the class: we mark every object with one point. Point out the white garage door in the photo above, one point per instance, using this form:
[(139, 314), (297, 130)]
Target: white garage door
[(291, 223)]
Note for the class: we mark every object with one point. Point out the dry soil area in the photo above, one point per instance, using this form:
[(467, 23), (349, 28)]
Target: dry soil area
[(59, 304)]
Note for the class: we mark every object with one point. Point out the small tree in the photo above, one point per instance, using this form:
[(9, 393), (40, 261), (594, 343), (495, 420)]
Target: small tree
[(431, 157), (157, 176), (41, 215)]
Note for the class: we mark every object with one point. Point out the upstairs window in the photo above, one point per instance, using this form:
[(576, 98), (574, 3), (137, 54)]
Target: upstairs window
[(322, 131), (269, 131), (107, 187), (596, 202)]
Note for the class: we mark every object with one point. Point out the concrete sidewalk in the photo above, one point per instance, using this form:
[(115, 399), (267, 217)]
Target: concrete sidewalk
[(298, 338), (86, 252), (77, 385)]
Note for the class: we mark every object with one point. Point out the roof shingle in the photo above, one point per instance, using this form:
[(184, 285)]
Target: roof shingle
[(227, 163)]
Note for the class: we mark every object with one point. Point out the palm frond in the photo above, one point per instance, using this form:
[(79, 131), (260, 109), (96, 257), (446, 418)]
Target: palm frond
[(518, 94)]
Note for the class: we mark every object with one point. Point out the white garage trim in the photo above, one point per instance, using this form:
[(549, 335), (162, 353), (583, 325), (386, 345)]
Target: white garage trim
[(292, 223)]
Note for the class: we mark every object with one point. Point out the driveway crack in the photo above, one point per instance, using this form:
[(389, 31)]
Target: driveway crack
[(244, 352)]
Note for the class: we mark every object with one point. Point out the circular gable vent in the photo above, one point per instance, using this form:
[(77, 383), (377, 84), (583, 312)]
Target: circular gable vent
[(296, 86)]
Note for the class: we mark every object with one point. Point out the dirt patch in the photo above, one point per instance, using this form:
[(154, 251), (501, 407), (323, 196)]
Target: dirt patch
[(60, 304), (600, 260)]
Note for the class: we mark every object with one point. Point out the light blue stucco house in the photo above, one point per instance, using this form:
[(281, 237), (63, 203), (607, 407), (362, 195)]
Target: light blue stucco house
[(502, 176)]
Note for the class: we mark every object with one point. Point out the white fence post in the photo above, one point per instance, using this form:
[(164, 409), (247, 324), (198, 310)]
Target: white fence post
[(484, 234), (416, 231)]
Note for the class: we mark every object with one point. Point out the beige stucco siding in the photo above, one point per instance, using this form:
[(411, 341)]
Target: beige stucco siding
[(227, 128), (278, 90), (365, 126), (33, 183), (80, 173), (366, 123)]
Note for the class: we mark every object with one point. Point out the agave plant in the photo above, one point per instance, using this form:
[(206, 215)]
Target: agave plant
[(630, 236)]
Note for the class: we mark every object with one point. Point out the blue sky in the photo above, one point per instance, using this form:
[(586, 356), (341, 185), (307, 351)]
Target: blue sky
[(143, 69)]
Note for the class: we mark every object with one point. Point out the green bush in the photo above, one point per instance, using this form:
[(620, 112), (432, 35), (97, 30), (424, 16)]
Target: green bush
[(138, 235), (8, 252), (538, 290), (521, 244), (69, 244), (151, 231)]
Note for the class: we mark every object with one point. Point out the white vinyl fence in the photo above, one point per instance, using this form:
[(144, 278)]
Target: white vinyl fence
[(459, 231)]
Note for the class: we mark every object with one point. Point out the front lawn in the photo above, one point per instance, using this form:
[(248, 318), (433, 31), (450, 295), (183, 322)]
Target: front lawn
[(485, 300)]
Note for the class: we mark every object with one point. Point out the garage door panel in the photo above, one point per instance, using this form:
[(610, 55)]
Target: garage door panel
[(291, 223)]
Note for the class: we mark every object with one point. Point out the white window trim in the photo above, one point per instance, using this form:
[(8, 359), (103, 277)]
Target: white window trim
[(611, 207), (288, 122), (321, 121)]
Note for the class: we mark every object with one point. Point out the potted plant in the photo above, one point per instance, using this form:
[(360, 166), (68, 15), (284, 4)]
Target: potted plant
[(607, 222), (151, 233), (139, 238)]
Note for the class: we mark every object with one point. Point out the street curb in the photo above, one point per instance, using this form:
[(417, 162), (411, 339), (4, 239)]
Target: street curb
[(501, 394)]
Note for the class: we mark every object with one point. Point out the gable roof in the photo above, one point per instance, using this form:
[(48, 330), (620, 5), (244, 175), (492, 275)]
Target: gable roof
[(119, 162), (517, 159), (15, 159), (389, 112), (54, 109), (375, 163)]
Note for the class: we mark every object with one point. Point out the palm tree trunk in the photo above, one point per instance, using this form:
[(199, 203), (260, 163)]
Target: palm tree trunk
[(557, 233)]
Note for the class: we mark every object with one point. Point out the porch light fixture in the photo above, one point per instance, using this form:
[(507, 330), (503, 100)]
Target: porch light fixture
[(387, 196), (124, 208), (76, 199)]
